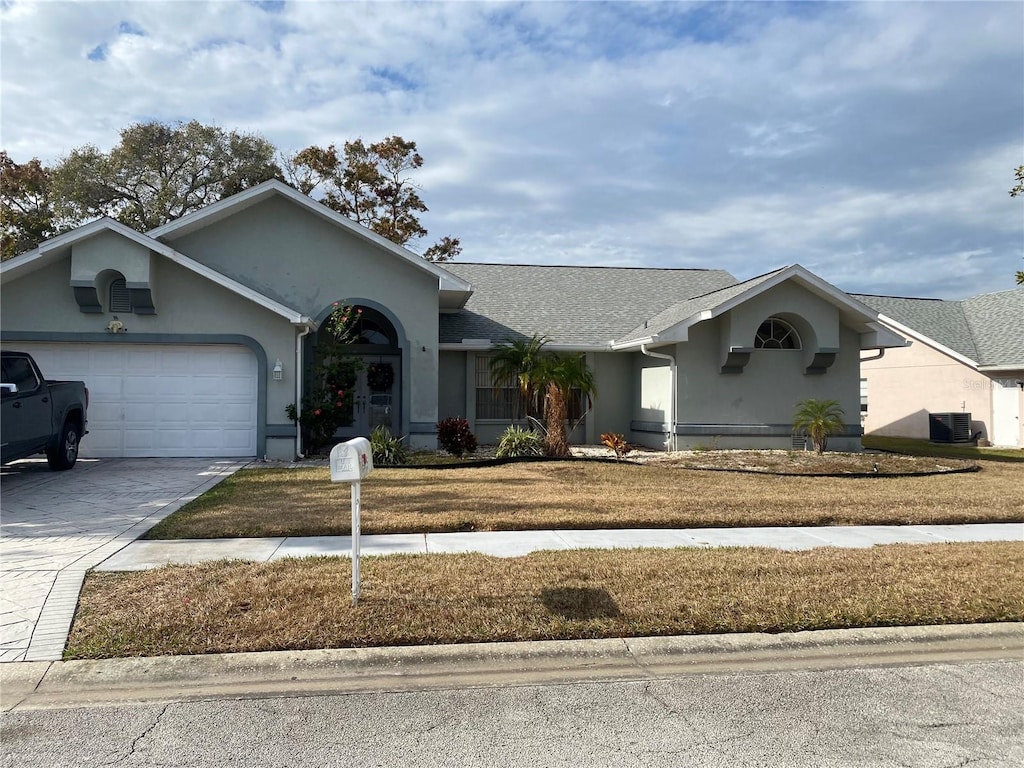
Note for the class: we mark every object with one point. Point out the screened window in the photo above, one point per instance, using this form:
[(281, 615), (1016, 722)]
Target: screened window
[(496, 399), (120, 296), (504, 400), (776, 334)]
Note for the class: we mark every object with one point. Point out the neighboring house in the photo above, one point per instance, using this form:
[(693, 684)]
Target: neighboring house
[(966, 357), (193, 337)]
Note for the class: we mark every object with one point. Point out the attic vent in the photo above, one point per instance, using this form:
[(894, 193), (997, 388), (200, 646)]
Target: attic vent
[(120, 296)]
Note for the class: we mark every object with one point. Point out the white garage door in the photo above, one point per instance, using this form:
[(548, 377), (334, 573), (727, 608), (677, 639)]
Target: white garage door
[(160, 399)]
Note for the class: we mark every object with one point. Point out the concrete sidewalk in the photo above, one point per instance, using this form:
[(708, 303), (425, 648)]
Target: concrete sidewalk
[(141, 555)]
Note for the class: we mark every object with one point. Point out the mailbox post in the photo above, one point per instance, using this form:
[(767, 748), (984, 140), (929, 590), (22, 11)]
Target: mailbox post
[(350, 463)]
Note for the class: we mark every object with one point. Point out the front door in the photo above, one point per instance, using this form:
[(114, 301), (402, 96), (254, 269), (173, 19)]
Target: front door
[(377, 397)]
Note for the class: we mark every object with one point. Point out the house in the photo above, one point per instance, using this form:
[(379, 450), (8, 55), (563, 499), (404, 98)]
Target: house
[(193, 338), (967, 357)]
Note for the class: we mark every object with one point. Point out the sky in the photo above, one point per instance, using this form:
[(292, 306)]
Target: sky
[(872, 142)]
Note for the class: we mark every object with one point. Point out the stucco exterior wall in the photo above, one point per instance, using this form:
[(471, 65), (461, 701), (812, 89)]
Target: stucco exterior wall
[(907, 384), (753, 408), (110, 251), (307, 263), (613, 377), (189, 309)]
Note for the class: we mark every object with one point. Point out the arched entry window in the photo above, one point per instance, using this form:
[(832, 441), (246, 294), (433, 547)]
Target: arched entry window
[(775, 333), (373, 328)]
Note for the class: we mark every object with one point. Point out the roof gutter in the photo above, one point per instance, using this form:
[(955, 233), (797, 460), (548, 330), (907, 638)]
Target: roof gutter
[(879, 356), (670, 440)]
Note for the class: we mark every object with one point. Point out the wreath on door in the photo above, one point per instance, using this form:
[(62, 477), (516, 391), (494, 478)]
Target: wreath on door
[(380, 377)]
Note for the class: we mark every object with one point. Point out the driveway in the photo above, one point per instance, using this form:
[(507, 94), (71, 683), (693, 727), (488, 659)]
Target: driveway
[(54, 526)]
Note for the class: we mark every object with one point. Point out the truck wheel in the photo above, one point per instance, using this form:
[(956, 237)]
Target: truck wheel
[(65, 453)]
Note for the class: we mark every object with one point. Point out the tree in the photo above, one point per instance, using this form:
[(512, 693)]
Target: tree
[(554, 375), (370, 184), (518, 361), (160, 172), (26, 208), (1018, 189), (819, 419), (561, 374)]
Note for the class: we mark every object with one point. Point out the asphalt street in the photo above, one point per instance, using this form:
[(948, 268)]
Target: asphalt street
[(941, 714)]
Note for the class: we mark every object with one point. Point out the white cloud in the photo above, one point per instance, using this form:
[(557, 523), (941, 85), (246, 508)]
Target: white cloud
[(860, 139)]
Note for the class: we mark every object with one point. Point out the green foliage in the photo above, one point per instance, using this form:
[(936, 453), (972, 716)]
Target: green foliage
[(516, 441), (160, 172), (616, 443), (387, 449), (519, 361), (26, 210), (560, 375), (369, 183), (555, 375), (455, 436), (329, 401), (818, 419)]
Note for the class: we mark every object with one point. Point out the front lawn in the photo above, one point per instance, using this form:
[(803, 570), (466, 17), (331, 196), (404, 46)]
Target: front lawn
[(278, 501), (952, 450), (426, 599)]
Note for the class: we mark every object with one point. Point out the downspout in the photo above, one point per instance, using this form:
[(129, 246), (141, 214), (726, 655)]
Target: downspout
[(879, 356), (670, 443), (307, 329)]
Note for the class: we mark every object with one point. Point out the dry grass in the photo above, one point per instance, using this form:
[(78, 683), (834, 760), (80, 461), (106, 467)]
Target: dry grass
[(303, 502), (305, 604)]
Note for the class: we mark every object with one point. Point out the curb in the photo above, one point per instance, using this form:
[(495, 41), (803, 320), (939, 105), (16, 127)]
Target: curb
[(40, 685)]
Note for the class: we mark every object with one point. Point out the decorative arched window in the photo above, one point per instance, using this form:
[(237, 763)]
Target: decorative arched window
[(774, 333), (120, 297), (373, 327)]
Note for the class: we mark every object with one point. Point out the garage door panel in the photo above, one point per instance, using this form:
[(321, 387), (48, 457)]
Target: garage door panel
[(161, 400)]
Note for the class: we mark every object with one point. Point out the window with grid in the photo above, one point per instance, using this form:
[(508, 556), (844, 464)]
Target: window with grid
[(503, 399), (496, 399), (776, 334)]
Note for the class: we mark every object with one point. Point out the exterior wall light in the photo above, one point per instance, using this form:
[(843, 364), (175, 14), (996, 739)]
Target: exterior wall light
[(278, 371)]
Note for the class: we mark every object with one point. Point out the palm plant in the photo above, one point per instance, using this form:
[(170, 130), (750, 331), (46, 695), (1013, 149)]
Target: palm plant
[(559, 375), (518, 361), (818, 419)]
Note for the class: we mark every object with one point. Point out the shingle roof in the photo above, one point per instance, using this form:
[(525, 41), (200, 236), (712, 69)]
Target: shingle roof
[(997, 325), (988, 329), (570, 305), (685, 309)]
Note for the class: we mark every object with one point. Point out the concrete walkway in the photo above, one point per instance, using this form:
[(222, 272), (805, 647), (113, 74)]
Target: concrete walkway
[(57, 525), (140, 555)]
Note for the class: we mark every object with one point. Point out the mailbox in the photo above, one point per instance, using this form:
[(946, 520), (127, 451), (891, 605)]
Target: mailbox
[(351, 461)]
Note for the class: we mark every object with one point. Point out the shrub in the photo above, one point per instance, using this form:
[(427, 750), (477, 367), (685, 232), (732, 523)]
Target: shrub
[(516, 441), (616, 443), (455, 436), (331, 380), (818, 419), (386, 448)]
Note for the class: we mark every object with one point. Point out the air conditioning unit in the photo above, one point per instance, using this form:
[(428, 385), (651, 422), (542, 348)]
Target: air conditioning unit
[(949, 427)]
